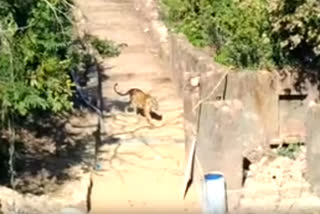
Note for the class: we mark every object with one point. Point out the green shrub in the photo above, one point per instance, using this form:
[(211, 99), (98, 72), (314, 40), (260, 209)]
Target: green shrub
[(291, 151), (239, 30), (34, 42), (236, 29), (250, 33), (38, 50), (106, 48), (184, 16), (296, 31), (38, 53)]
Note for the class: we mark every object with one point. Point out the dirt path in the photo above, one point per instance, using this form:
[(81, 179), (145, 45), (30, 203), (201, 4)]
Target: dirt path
[(143, 167)]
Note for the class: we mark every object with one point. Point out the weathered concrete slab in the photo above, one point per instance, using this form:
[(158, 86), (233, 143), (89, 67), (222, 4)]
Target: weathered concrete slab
[(296, 90), (220, 145), (185, 61), (198, 85), (191, 98), (213, 85), (258, 91), (255, 140), (313, 147), (228, 134), (292, 116), (177, 67)]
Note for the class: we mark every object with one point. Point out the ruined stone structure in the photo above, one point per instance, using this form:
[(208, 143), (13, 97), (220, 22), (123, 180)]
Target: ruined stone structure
[(237, 114)]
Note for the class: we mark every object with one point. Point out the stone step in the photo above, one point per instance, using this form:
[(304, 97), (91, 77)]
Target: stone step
[(119, 35), (127, 21)]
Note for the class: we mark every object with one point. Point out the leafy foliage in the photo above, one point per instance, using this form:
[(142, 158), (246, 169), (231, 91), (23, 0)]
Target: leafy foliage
[(106, 48), (296, 30), (34, 41), (250, 33), (239, 31), (38, 50), (186, 16)]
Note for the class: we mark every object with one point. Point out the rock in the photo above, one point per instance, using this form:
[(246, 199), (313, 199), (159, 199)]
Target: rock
[(195, 81), (71, 210)]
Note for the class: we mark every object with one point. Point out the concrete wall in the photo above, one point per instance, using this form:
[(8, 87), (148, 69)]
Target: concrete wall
[(199, 79), (297, 90), (279, 99), (313, 147)]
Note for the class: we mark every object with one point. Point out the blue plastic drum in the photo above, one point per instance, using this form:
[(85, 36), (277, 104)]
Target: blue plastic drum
[(214, 194)]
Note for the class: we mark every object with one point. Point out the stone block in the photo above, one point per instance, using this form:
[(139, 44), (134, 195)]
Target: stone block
[(254, 139), (233, 200), (177, 67), (292, 115), (190, 99), (212, 85), (258, 91), (186, 62), (297, 89), (220, 142), (313, 147)]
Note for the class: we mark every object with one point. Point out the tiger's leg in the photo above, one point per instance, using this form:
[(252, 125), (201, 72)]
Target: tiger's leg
[(131, 108), (135, 108), (126, 109), (147, 112)]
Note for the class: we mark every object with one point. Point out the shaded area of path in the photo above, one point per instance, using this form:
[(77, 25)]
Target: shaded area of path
[(142, 167)]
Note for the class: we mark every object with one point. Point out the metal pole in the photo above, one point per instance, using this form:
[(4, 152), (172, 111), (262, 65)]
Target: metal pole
[(100, 106)]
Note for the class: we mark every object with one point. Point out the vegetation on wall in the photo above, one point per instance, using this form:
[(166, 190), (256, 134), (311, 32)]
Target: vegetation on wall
[(291, 150), (250, 33)]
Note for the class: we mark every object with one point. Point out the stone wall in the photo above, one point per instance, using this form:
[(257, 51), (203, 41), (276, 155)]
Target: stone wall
[(279, 99), (263, 93), (199, 80)]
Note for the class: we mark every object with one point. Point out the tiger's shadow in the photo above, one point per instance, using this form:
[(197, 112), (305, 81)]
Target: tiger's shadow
[(110, 105)]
